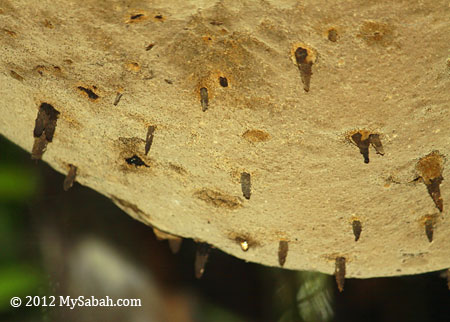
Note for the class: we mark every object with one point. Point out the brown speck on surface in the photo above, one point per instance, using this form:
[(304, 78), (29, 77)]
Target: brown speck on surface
[(283, 248), (70, 178), (201, 257), (9, 32), (136, 17), (246, 184), (44, 129), (223, 81), (149, 46), (256, 136), (133, 67), (376, 33), (304, 66), (339, 272), (332, 35), (15, 75), (357, 228), (204, 98), (177, 168), (218, 199), (430, 168), (149, 138), (89, 92), (48, 24), (429, 229), (117, 99)]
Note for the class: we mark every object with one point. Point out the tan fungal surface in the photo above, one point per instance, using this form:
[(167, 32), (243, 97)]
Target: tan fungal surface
[(377, 67)]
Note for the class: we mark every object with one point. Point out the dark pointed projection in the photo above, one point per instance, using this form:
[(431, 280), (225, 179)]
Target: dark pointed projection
[(430, 168), (304, 66), (201, 257), (70, 178), (340, 273)]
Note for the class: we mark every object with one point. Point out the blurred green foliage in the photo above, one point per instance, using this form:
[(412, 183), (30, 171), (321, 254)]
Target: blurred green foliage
[(20, 274), (307, 297), (17, 183), (17, 280)]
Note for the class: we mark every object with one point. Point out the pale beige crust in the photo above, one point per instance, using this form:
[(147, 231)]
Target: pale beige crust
[(385, 70)]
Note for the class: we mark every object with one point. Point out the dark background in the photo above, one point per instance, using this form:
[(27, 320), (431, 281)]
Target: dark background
[(79, 243)]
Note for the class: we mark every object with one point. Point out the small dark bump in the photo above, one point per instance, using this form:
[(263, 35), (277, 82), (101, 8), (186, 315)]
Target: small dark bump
[(149, 138), (117, 99), (47, 23), (46, 121), (300, 55), (204, 98), (223, 81), (158, 17), (136, 16), (89, 92), (357, 228), (332, 35), (246, 184), (429, 229), (44, 129), (136, 161), (168, 81), (70, 178), (150, 46), (283, 248)]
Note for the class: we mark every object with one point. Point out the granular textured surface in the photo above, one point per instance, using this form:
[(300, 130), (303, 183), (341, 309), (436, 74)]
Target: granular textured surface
[(226, 90)]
